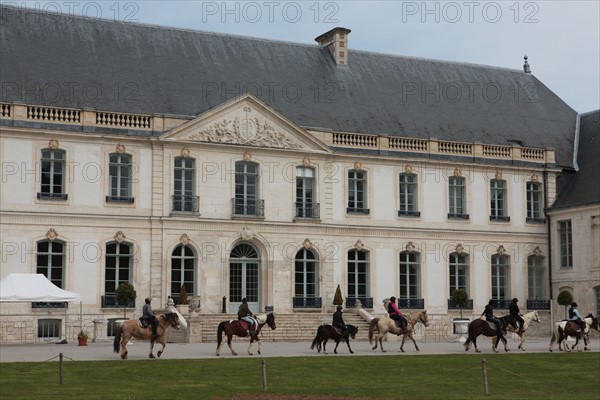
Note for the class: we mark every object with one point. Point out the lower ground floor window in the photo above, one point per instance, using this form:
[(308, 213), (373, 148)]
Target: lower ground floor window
[(49, 328)]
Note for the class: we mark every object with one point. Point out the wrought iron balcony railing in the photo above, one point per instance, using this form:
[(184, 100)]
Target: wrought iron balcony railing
[(307, 302), (307, 210), (415, 304), (248, 207), (367, 302), (453, 306), (184, 204)]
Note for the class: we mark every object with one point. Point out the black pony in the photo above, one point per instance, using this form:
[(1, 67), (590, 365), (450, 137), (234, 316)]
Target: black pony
[(326, 332)]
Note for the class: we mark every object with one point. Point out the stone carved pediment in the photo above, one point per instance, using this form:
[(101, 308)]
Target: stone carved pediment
[(246, 131), (246, 121)]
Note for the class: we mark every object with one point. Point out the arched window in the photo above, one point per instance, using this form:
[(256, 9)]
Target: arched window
[(183, 271), (244, 275), (306, 280), (118, 269)]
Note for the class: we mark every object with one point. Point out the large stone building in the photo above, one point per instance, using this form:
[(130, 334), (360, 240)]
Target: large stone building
[(242, 167)]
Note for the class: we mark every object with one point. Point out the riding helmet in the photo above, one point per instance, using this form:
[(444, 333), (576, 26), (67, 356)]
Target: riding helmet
[(244, 300), (392, 299), (515, 300), (573, 304), (340, 308), (147, 300)]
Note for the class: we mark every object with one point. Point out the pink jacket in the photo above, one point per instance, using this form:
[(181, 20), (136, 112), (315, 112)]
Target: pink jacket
[(396, 311)]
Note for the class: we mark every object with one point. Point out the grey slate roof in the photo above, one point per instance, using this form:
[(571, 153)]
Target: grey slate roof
[(123, 67), (583, 187)]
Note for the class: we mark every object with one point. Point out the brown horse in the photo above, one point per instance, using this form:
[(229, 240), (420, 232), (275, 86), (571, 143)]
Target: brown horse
[(529, 317), (132, 329), (235, 327), (482, 327), (386, 324), (326, 332), (563, 329)]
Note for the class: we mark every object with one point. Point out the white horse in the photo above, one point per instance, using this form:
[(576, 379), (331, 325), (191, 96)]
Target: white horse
[(529, 317), (563, 329)]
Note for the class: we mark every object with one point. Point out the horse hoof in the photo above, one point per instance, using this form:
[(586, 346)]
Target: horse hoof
[(152, 356), (479, 351), (159, 354), (218, 354), (351, 352)]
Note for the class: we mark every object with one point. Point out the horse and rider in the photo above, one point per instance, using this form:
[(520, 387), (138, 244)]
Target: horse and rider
[(337, 331)]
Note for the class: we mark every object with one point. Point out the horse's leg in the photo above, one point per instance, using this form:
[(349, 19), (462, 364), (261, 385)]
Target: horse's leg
[(475, 344), (325, 344), (258, 343), (522, 342), (123, 348), (380, 338), (163, 343), (348, 343), (152, 348), (410, 336), (585, 342), (402, 344), (505, 342), (229, 336), (250, 345), (337, 342)]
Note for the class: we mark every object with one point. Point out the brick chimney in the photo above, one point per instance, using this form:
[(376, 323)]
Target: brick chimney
[(336, 40)]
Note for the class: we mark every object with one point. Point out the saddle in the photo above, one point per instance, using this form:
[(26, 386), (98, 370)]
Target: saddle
[(144, 323), (574, 326)]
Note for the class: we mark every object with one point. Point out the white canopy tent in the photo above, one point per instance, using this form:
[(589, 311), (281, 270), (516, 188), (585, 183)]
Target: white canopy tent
[(24, 288)]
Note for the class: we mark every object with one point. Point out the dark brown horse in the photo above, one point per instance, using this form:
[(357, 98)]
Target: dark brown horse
[(132, 329), (326, 332), (563, 329), (235, 327), (482, 327)]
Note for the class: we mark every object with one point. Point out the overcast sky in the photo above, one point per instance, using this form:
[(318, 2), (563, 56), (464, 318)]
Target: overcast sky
[(561, 38)]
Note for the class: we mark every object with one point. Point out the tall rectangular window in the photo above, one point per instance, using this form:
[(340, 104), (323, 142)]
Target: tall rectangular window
[(118, 266), (358, 274), (536, 278), (119, 170), (534, 202), (51, 261), (500, 277), (52, 175), (247, 200), (357, 195), (457, 208), (305, 206), (459, 272), (409, 275), (408, 196), (566, 244), (498, 201), (184, 194)]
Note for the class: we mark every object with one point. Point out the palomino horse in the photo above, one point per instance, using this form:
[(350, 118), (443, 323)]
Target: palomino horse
[(326, 332), (529, 317), (386, 324), (563, 329), (235, 327), (482, 327), (132, 329)]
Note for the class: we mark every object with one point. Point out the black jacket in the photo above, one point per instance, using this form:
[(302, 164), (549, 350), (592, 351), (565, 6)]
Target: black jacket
[(338, 320)]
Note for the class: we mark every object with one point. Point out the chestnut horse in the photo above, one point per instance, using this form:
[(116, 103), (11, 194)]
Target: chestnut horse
[(529, 317), (132, 329), (235, 327), (326, 332), (563, 329), (386, 324), (482, 327)]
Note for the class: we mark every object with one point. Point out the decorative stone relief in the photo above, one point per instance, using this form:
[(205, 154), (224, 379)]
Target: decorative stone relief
[(247, 233), (410, 247), (498, 174), (120, 236), (501, 250), (245, 130), (306, 161), (185, 152), (184, 239), (409, 169), (457, 172), (359, 245), (51, 234), (307, 244), (537, 251), (120, 149), (534, 177), (357, 165), (459, 248), (53, 144), (247, 156)]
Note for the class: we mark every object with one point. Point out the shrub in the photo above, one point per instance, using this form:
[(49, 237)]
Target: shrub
[(338, 300), (460, 297), (183, 298)]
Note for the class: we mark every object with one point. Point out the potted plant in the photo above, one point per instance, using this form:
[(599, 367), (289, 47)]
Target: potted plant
[(565, 298), (183, 300), (125, 295), (460, 297), (82, 338)]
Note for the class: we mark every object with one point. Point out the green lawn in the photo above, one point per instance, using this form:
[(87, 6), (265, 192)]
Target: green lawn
[(518, 376)]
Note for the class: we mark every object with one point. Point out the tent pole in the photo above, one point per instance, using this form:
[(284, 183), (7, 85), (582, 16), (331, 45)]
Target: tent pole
[(65, 321), (81, 316)]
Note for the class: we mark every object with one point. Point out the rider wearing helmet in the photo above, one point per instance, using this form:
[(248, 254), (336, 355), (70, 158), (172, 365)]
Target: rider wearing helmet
[(576, 317), (515, 315), (489, 316), (148, 315), (395, 313), (338, 322), (245, 314)]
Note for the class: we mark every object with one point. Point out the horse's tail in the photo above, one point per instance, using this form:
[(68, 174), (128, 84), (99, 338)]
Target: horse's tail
[(220, 330), (470, 336), (117, 341), (317, 341), (372, 326)]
